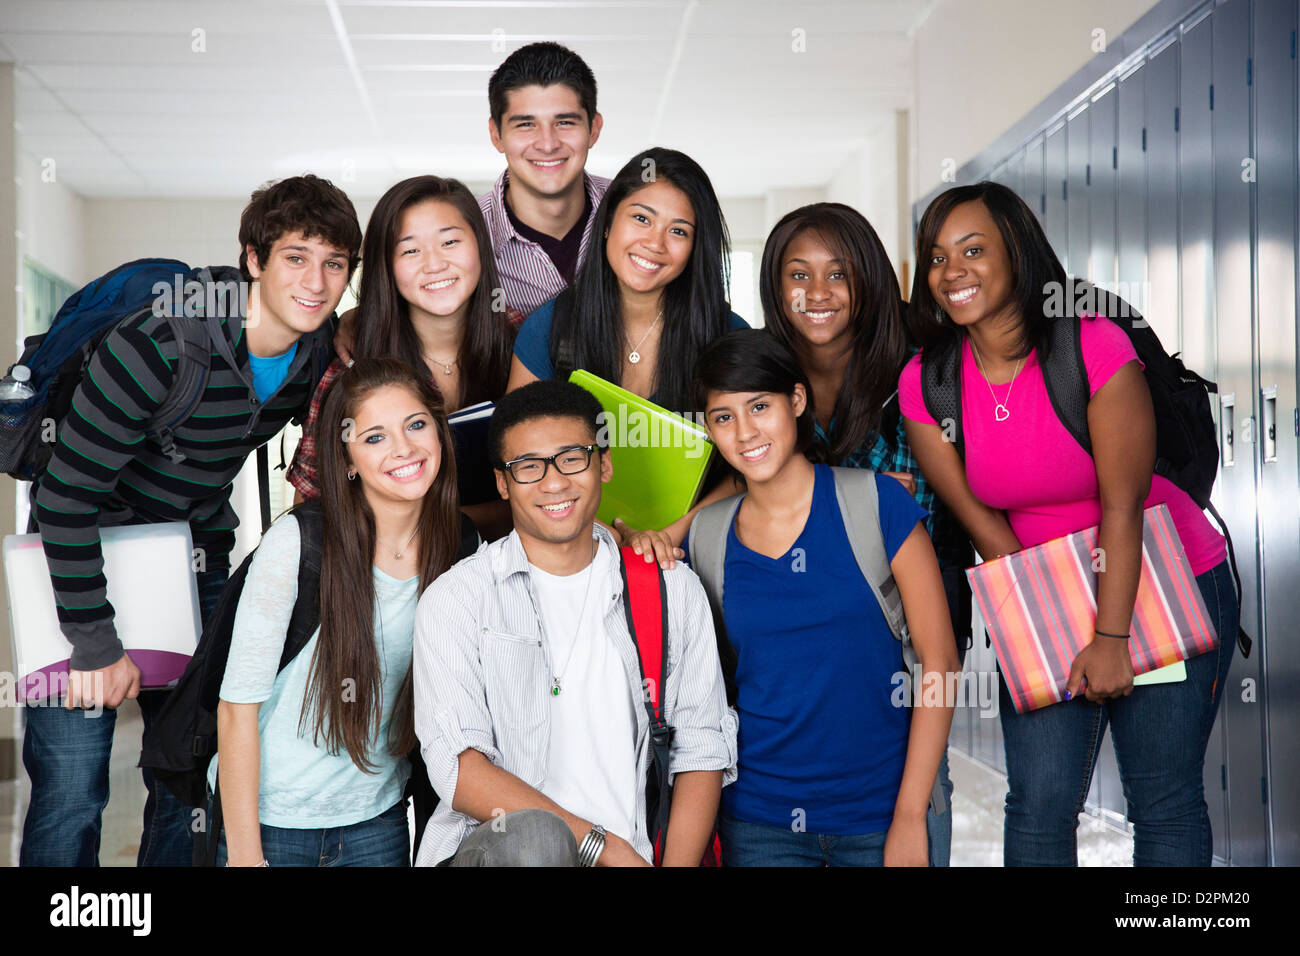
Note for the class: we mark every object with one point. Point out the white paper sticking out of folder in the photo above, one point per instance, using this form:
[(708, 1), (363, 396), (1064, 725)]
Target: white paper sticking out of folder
[(150, 585)]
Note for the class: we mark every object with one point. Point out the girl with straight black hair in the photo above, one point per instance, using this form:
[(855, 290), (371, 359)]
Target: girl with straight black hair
[(816, 665), (646, 300)]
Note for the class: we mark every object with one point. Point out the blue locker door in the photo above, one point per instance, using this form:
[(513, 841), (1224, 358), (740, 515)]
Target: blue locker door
[(1196, 258), (1233, 338), (1275, 99), (1077, 176), (1054, 187)]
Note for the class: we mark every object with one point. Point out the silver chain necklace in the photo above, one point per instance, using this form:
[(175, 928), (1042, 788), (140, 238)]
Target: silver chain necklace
[(1000, 411), (398, 554), (635, 355)]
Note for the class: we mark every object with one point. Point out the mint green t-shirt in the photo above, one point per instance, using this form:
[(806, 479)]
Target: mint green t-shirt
[(303, 786)]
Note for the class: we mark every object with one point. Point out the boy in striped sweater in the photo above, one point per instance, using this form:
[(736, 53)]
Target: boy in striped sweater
[(300, 242)]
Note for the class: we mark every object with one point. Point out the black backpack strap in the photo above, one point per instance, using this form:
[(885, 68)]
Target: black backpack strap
[(941, 390), (1243, 639), (193, 360), (563, 353), (469, 538), (306, 610), (1066, 378)]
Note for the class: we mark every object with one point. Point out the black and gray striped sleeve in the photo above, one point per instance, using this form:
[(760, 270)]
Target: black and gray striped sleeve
[(126, 381)]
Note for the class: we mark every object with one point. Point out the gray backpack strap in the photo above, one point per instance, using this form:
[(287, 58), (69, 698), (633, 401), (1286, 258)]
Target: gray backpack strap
[(193, 359), (855, 490), (708, 554)]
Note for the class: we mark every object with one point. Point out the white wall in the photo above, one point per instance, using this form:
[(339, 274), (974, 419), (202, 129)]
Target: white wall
[(51, 221), (978, 68), (872, 181)]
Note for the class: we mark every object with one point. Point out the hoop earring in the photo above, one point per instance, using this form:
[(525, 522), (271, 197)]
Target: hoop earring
[(351, 475)]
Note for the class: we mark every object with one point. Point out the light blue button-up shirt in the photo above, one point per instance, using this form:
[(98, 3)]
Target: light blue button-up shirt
[(483, 676)]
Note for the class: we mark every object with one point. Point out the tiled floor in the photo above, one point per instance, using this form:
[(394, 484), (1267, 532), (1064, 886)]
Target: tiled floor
[(977, 811)]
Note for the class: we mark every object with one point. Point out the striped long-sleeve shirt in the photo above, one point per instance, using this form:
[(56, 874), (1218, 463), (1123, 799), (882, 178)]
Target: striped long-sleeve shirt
[(528, 276), (482, 675), (105, 471)]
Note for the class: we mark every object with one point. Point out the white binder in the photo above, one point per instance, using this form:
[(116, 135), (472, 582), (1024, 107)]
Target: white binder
[(152, 589)]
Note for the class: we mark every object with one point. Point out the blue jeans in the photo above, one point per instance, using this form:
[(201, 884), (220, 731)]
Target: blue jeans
[(938, 827), (66, 754), (754, 844), (1160, 733), (384, 840)]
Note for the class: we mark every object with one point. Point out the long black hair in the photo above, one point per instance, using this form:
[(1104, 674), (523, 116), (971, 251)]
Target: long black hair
[(879, 348), (384, 328), (753, 360), (588, 329), (1037, 275)]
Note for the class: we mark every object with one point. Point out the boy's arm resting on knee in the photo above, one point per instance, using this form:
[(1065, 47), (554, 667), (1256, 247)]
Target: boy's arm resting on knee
[(239, 759), (696, 794)]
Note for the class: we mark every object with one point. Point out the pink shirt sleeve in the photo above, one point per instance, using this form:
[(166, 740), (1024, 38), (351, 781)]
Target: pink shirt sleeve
[(1106, 349), (910, 400)]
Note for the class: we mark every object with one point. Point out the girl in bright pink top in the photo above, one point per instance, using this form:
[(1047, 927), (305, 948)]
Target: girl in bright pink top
[(985, 277)]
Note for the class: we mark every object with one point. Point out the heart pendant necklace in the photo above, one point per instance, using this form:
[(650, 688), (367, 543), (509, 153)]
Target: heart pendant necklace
[(1000, 411)]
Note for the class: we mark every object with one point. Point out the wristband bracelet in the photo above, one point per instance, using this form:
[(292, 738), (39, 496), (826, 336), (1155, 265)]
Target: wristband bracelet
[(593, 844), (1122, 637)]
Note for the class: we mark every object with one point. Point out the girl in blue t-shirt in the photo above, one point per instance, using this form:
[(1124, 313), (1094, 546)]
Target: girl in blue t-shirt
[(312, 759), (833, 767)]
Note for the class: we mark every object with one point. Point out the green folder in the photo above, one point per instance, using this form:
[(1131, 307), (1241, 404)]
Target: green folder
[(1169, 674), (659, 457)]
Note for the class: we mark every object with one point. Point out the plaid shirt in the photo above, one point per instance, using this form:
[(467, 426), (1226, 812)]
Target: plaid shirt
[(951, 543), (302, 473)]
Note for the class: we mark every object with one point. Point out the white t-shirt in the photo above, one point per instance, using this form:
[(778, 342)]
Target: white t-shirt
[(591, 765)]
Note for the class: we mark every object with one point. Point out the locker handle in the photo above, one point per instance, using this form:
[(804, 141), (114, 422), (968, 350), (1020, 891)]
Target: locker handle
[(1269, 423), (1227, 408)]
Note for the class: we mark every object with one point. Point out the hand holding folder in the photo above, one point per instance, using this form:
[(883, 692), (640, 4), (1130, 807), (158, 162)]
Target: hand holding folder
[(1040, 608)]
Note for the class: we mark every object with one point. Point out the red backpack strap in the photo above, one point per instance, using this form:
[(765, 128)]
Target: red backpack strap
[(645, 604)]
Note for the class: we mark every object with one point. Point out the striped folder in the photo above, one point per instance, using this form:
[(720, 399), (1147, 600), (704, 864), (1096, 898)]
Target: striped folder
[(1040, 607)]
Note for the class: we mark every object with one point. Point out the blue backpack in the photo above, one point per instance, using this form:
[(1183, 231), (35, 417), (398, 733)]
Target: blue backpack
[(57, 360)]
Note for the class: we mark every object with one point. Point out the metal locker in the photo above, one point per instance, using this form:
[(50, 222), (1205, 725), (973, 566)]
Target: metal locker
[(1076, 220), (1275, 103), (1195, 176), (1099, 199), (1131, 190), (1054, 189), (1161, 139), (1235, 493), (984, 730), (1102, 162), (1015, 174), (1033, 192)]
